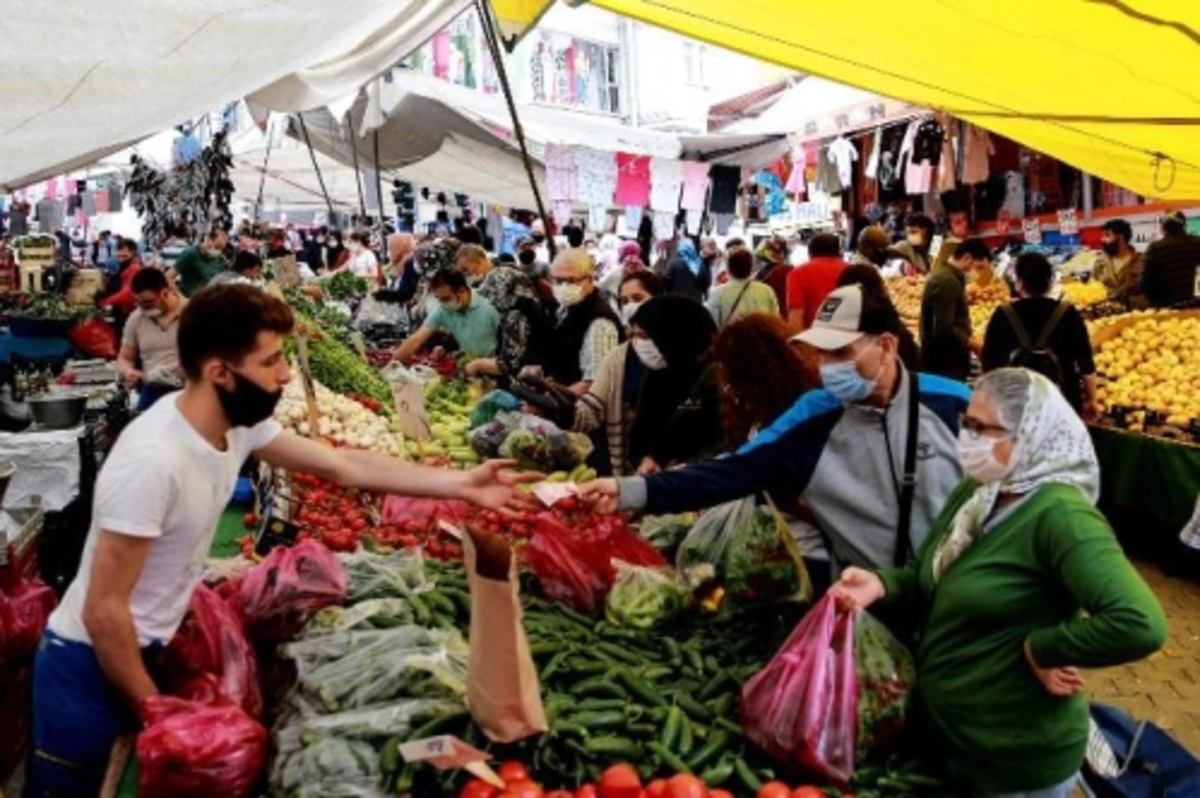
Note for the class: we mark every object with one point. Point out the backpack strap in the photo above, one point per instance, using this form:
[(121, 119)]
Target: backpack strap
[(1018, 327), (1048, 330)]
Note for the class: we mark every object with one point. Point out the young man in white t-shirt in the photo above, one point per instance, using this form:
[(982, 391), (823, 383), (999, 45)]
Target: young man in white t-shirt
[(157, 501)]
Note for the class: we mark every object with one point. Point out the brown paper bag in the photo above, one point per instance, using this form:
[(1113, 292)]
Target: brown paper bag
[(503, 694)]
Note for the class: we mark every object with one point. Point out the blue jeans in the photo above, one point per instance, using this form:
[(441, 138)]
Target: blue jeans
[(77, 716), (149, 394), (1064, 790)]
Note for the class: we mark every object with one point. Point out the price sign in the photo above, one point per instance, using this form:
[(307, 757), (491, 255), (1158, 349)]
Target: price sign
[(1068, 222), (1032, 229), (411, 416), (448, 752), (287, 272)]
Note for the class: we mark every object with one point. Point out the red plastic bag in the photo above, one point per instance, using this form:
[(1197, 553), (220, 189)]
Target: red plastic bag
[(803, 707), (570, 567), (192, 749), (279, 596), (25, 607), (620, 542), (398, 509), (210, 656), (95, 338), (833, 693)]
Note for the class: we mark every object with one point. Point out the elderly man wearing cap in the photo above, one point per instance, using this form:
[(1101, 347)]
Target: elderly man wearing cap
[(849, 449), (1171, 265)]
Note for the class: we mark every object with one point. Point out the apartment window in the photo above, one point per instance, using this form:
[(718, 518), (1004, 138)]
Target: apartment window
[(695, 55), (575, 73)]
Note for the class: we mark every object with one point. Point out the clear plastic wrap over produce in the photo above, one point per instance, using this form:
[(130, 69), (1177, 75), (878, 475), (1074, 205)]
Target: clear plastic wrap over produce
[(885, 671), (641, 597), (376, 723), (666, 532), (190, 749), (332, 767), (384, 613), (400, 574), (742, 555), (351, 670)]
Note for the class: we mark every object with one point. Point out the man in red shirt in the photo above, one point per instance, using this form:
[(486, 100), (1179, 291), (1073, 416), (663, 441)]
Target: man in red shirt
[(119, 292), (810, 283)]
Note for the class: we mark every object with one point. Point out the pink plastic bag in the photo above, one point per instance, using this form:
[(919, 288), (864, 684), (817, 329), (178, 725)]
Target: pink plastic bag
[(570, 567), (803, 707), (25, 607), (398, 509), (192, 749), (279, 596), (210, 656)]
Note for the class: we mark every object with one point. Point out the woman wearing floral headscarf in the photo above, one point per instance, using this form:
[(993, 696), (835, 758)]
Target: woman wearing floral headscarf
[(1000, 590)]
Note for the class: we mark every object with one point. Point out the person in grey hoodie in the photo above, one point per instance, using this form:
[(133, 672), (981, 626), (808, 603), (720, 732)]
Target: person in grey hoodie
[(842, 447)]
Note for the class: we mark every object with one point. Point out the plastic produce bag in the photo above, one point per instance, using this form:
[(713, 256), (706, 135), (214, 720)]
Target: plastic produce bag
[(487, 438), (25, 606), (360, 669), (190, 749), (278, 597), (741, 555), (210, 657), (666, 532), (95, 339), (332, 767), (571, 568), (642, 597), (833, 693), (620, 542), (492, 405), (370, 575), (400, 509)]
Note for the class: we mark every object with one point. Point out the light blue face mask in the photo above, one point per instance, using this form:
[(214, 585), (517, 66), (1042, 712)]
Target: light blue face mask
[(843, 380)]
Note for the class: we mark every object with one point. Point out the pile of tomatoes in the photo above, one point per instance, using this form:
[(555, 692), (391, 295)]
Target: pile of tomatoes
[(623, 781)]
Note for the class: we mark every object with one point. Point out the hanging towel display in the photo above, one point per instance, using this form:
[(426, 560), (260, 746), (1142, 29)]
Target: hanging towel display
[(596, 176), (560, 172), (666, 181), (633, 180)]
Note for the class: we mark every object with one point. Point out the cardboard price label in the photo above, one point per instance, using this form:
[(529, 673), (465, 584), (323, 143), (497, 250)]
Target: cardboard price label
[(411, 415), (310, 391), (1068, 222), (446, 752)]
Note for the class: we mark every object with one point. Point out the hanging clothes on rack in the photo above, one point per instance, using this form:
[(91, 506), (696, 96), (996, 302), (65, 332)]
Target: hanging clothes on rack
[(666, 183), (871, 170), (797, 185), (561, 180), (596, 174), (947, 167), (916, 166), (723, 197), (977, 152), (842, 155), (695, 186), (633, 180)]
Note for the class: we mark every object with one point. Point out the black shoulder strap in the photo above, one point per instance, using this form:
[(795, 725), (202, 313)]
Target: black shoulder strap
[(736, 302), (1018, 327), (1048, 330), (908, 485)]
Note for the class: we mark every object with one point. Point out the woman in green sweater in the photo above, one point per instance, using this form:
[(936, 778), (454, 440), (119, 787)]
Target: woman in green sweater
[(1000, 590)]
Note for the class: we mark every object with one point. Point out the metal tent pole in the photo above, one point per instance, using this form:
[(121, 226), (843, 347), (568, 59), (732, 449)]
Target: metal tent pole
[(262, 181), (316, 167), (493, 41)]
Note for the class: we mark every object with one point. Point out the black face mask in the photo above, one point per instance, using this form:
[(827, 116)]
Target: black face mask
[(248, 403), (527, 258), (538, 239), (1112, 249)]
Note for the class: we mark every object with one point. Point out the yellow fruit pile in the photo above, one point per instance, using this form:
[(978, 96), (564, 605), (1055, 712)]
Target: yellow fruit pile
[(1153, 365), (906, 293), (1081, 295)]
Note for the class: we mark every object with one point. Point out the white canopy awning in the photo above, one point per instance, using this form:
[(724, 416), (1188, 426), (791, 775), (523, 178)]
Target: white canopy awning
[(88, 78)]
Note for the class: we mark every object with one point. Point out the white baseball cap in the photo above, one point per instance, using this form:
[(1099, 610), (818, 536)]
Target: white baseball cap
[(841, 321)]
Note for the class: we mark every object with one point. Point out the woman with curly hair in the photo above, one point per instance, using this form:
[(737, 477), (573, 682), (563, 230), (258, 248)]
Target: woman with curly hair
[(762, 374)]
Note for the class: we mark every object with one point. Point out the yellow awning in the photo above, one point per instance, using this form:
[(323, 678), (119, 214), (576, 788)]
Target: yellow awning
[(1109, 86), (516, 17)]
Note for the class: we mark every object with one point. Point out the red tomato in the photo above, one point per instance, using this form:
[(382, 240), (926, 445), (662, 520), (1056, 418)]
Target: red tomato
[(250, 520), (522, 789), (586, 791), (620, 781), (685, 785), (560, 794), (656, 788), (513, 771), (720, 794), (478, 788), (774, 789), (808, 791)]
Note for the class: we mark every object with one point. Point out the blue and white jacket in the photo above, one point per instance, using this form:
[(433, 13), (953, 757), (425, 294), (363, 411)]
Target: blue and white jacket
[(838, 457)]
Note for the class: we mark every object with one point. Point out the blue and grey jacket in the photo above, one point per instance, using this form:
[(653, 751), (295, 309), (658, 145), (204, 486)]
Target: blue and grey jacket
[(846, 460)]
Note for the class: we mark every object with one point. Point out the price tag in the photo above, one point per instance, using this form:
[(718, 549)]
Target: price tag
[(411, 416), (1068, 222), (287, 272), (448, 752), (1196, 285), (1032, 229)]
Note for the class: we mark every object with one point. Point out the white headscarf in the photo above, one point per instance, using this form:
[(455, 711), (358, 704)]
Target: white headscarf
[(1051, 446)]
